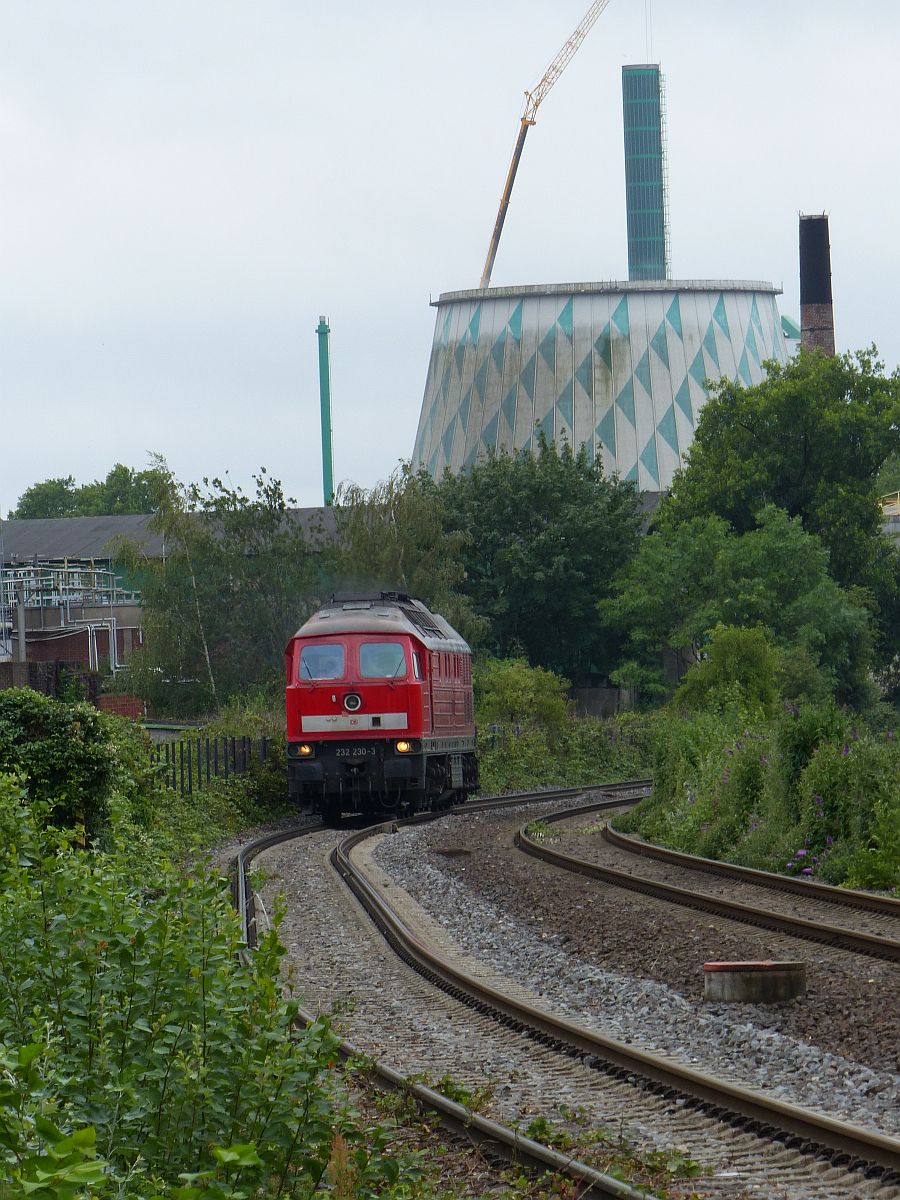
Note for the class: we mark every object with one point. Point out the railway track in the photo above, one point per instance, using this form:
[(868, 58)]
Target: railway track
[(510, 1143), (843, 937), (648, 1079)]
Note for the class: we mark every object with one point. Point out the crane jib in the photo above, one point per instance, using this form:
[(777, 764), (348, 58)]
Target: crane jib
[(533, 100)]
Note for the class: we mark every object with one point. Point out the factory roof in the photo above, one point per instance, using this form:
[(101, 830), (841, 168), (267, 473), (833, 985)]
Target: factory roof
[(611, 285), (53, 539)]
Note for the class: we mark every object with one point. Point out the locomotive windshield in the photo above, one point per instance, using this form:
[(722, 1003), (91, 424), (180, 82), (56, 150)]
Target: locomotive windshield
[(382, 660), (321, 662)]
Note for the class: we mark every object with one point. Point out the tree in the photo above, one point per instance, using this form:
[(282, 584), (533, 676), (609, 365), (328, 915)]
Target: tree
[(239, 576), (510, 692), (124, 490), (391, 537), (738, 665), (810, 439), (689, 577), (546, 534), (52, 498)]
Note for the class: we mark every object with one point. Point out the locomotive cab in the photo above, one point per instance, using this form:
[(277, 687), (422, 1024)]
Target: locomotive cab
[(366, 699)]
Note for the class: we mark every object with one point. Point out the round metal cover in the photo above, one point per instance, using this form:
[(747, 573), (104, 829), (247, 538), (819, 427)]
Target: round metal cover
[(352, 702)]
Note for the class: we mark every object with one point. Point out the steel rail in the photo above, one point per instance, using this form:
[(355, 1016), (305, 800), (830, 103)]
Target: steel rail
[(800, 1128), (849, 897), (512, 1144), (869, 944)]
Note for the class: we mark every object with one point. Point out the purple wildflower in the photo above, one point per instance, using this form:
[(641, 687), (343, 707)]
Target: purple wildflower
[(806, 871), (846, 749), (801, 853)]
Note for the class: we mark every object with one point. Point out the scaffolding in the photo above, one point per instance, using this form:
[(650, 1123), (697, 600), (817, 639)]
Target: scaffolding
[(71, 596)]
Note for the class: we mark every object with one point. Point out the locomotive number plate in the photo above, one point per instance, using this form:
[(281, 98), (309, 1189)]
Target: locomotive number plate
[(354, 751)]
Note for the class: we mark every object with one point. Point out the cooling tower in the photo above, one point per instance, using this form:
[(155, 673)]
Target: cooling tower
[(617, 367)]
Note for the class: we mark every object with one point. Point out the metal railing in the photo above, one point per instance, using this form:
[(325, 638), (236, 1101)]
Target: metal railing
[(190, 764)]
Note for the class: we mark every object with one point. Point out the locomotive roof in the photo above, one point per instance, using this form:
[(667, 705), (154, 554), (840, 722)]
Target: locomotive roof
[(384, 612)]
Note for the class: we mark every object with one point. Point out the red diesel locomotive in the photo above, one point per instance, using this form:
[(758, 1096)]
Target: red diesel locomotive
[(379, 709)]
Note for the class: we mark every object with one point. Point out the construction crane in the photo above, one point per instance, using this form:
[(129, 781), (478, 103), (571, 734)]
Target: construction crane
[(529, 116)]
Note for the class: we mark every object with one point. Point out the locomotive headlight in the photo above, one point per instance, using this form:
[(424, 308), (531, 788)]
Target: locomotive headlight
[(404, 747), (304, 750)]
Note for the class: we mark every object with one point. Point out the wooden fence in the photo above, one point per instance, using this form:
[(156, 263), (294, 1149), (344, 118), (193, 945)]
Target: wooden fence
[(191, 763)]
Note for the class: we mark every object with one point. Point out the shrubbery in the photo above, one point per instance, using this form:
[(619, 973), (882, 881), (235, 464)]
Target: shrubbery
[(811, 793), (138, 1054), (74, 758)]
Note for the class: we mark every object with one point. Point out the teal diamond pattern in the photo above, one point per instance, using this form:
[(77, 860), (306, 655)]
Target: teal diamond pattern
[(603, 346), (750, 347), (481, 379), (620, 317), (673, 316), (660, 345), (465, 405), (698, 369), (744, 370), (650, 461), (632, 476), (498, 349), (515, 322), (666, 428), (547, 348), (720, 316), (508, 407), (527, 376), (606, 431), (642, 371), (585, 374), (565, 405), (709, 345), (447, 439), (625, 401), (489, 434), (683, 400), (565, 318), (755, 318), (475, 323)]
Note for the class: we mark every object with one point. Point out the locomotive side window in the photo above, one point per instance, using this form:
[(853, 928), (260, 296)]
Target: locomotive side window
[(417, 665), (382, 660), (321, 662)]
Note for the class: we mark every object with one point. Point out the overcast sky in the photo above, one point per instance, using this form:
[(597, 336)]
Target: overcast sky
[(187, 186)]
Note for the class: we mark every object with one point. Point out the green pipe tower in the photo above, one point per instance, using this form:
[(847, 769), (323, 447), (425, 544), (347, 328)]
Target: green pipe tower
[(324, 332)]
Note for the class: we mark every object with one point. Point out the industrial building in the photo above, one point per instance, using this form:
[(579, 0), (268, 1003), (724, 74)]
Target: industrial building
[(619, 368)]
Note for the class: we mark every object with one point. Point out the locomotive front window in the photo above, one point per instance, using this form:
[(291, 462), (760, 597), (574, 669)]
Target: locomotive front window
[(321, 662), (382, 660)]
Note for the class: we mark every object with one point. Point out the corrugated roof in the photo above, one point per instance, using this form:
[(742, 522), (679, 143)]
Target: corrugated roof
[(95, 537)]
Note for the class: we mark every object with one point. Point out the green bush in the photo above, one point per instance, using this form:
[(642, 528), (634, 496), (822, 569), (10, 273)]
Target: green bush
[(588, 751), (510, 692), (805, 794), (179, 1060), (739, 666), (73, 758)]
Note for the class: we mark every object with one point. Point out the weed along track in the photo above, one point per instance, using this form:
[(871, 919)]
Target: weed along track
[(504, 1015)]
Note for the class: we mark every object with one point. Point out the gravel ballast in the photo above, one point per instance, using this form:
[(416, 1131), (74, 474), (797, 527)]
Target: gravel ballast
[(631, 967)]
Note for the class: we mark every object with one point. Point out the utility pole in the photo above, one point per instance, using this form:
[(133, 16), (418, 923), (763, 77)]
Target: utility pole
[(324, 332)]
